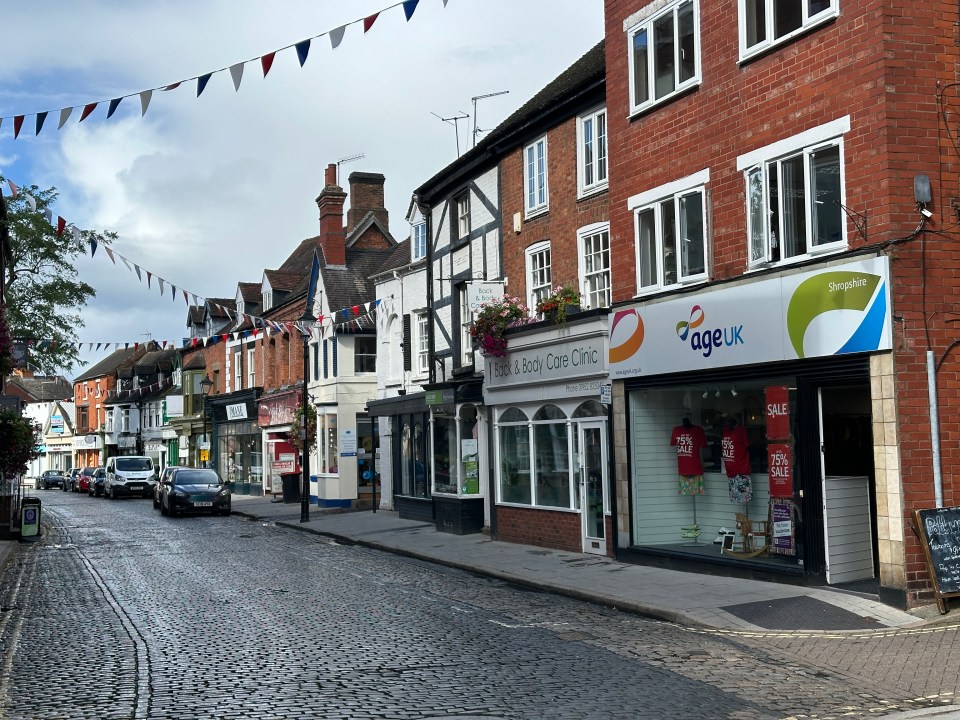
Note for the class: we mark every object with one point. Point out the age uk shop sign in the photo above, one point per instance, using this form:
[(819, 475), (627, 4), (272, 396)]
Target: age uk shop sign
[(830, 311)]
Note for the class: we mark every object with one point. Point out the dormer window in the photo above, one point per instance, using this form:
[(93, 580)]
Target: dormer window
[(267, 299), (418, 241)]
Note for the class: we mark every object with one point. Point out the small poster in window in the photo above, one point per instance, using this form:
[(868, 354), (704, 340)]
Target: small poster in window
[(784, 532), (777, 412), (468, 448), (471, 477), (780, 470)]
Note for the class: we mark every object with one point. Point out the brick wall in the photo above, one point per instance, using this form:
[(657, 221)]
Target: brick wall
[(560, 223), (544, 528)]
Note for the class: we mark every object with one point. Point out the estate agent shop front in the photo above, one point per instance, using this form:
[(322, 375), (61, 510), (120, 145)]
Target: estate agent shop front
[(550, 437), (749, 422)]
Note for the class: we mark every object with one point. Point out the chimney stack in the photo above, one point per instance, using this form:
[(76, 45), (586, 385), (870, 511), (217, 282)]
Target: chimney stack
[(333, 235), (366, 195)]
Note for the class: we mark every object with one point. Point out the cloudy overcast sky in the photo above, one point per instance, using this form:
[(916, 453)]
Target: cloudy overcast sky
[(207, 192)]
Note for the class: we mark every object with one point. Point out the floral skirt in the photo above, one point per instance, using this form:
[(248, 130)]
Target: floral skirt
[(690, 485), (740, 488)]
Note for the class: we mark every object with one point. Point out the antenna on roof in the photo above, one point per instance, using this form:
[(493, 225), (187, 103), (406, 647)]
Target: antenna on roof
[(481, 97), (456, 124), (349, 158)]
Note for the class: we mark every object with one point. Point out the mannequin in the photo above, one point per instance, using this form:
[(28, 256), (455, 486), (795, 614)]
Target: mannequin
[(736, 461), (689, 439)]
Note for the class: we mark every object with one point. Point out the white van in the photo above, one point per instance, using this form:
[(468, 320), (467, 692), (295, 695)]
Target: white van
[(129, 475)]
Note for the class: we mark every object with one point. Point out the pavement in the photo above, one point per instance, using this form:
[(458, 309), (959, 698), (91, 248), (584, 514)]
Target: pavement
[(695, 599)]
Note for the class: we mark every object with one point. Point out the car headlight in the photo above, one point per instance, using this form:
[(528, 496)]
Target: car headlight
[(180, 494), (223, 492)]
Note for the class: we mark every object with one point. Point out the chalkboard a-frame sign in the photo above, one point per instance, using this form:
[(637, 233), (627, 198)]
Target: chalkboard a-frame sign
[(939, 531)]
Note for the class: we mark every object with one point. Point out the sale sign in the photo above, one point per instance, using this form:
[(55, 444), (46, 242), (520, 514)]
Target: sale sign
[(780, 470), (777, 411)]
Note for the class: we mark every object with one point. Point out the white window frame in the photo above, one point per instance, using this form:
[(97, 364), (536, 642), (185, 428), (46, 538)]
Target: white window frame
[(461, 204), (237, 375), (656, 200), (758, 163), (588, 269), (536, 196), (593, 153), (538, 286), (646, 28), (267, 300), (466, 321), (418, 241), (423, 343), (251, 367), (808, 20)]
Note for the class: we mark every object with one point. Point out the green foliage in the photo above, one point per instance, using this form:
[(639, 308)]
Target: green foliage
[(20, 440), (6, 359), (44, 296), (556, 303), (492, 320), (298, 425)]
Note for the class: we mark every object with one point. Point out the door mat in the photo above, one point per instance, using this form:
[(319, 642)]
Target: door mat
[(800, 613)]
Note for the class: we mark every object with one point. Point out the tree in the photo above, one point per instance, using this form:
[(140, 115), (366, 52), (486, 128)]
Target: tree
[(40, 284), (20, 440)]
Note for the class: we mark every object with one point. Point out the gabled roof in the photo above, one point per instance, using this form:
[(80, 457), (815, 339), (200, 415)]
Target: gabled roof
[(250, 292), (562, 97), (196, 315), (43, 389), (154, 360), (352, 284), (109, 364), (369, 220), (283, 281)]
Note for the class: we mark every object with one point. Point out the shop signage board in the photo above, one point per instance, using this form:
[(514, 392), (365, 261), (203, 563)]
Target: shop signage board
[(939, 532), (780, 470), (558, 361), (56, 423), (480, 292), (439, 397), (835, 310), (348, 443), (236, 412), (277, 410), (777, 412)]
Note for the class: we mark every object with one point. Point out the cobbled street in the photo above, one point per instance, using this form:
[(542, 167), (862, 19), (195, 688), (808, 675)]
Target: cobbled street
[(119, 612)]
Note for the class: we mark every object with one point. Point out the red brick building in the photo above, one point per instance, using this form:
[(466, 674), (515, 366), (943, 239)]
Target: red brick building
[(783, 174)]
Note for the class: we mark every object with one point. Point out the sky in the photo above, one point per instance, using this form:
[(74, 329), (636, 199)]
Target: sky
[(205, 192)]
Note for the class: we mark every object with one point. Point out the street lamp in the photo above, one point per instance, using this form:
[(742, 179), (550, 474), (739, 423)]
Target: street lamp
[(305, 444), (206, 385)]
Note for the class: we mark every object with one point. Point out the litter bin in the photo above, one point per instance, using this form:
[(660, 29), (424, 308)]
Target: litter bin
[(30, 517), (291, 488)]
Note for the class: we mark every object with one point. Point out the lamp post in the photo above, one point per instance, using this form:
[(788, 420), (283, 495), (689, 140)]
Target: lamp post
[(206, 385), (305, 441)]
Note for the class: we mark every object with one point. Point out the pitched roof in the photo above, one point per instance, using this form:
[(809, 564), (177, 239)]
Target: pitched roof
[(250, 292), (350, 285), (556, 101), (399, 258), (283, 281), (110, 363), (43, 388)]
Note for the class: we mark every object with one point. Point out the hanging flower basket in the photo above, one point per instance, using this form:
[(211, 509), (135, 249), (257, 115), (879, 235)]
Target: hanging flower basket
[(492, 320)]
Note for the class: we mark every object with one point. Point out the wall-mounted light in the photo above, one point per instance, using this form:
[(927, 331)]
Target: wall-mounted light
[(733, 391), (718, 393), (705, 393)]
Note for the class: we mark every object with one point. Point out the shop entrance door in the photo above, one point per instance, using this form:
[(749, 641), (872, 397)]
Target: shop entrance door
[(846, 459), (593, 479)]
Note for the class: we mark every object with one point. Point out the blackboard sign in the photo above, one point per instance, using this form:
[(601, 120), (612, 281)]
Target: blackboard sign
[(939, 531)]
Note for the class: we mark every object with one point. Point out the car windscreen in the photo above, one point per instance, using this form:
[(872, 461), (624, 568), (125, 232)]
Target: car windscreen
[(134, 464), (186, 477), (89, 471)]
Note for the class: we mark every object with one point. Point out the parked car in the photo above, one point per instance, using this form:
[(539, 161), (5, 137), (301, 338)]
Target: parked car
[(129, 475), (84, 479), (71, 480), (190, 490), (96, 485), (164, 476), (50, 479)]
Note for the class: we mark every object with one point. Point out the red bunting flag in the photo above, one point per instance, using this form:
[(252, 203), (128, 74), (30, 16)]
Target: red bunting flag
[(87, 110), (17, 124), (61, 226), (13, 189), (369, 21), (356, 309), (266, 62), (174, 86)]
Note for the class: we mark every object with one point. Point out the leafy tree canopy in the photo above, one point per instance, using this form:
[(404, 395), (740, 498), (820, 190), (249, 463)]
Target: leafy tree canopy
[(20, 440), (44, 296)]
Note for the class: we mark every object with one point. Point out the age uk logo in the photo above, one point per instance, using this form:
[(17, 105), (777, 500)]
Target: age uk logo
[(710, 339)]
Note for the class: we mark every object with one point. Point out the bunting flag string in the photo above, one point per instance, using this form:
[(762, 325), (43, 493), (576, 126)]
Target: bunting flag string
[(266, 60), (348, 317)]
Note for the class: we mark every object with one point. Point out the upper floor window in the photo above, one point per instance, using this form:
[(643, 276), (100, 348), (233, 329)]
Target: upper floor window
[(423, 344), (237, 373), (461, 205), (538, 272), (592, 151), (364, 354), (466, 320), (794, 192), (670, 232), (535, 176), (418, 240), (267, 300), (251, 368), (765, 23), (664, 54), (594, 242)]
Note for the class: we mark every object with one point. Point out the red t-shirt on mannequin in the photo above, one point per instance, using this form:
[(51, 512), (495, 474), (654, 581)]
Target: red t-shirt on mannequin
[(689, 440), (736, 450)]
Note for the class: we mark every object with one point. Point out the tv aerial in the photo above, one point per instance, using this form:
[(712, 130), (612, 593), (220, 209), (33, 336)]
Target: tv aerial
[(476, 129), (349, 158), (455, 121)]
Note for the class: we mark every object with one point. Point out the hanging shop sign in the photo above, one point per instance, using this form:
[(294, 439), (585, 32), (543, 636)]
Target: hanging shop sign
[(479, 293), (831, 311)]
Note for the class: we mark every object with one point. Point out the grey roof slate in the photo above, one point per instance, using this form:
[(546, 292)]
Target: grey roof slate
[(109, 364)]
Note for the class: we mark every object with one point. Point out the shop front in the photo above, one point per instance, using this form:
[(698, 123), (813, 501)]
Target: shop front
[(237, 441), (275, 416), (748, 414), (87, 450), (402, 429), (458, 442), (550, 438)]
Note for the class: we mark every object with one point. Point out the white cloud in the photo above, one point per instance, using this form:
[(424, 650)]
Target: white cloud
[(209, 191)]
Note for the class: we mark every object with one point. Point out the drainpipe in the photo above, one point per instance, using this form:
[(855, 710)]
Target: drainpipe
[(934, 427)]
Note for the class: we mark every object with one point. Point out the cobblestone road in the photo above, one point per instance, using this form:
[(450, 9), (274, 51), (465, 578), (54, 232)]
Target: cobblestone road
[(119, 612)]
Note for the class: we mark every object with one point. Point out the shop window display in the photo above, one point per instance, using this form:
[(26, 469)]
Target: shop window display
[(698, 460)]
